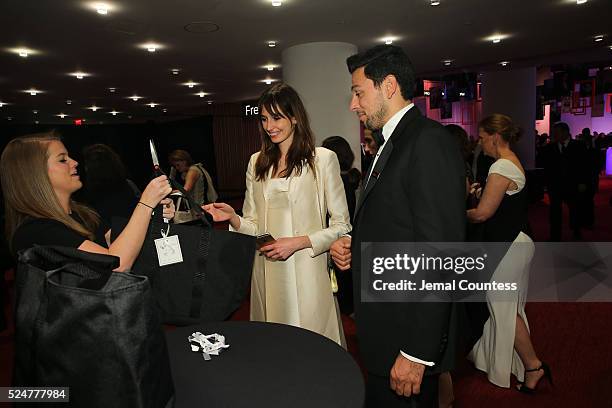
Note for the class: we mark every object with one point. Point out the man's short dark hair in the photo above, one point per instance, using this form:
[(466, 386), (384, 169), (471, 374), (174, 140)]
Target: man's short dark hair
[(562, 126), (384, 60)]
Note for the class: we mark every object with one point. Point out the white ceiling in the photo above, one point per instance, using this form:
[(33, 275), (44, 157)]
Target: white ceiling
[(228, 62)]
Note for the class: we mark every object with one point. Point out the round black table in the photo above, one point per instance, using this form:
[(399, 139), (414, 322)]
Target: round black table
[(267, 365)]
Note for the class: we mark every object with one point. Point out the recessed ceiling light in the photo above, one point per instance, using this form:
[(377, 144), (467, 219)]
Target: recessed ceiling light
[(496, 38), (9, 118), (270, 67), (164, 110), (461, 93), (135, 98), (277, 3), (114, 112), (599, 38), (112, 90), (93, 108), (101, 8), (152, 104), (434, 3), (35, 112), (201, 94), (61, 115), (175, 71), (388, 41), (33, 91), (68, 102), (191, 84), (610, 47), (447, 62), (36, 122), (581, 1), (504, 63), (151, 46), (23, 52), (79, 74), (271, 44), (2, 104), (210, 102)]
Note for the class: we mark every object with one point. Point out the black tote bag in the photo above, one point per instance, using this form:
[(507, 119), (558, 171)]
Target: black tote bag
[(80, 325), (210, 283)]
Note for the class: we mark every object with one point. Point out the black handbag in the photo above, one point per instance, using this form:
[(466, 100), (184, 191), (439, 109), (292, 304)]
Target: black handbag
[(82, 326), (211, 282)]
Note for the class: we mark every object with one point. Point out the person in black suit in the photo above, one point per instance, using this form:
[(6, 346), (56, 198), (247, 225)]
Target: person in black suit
[(587, 211), (567, 178), (415, 192)]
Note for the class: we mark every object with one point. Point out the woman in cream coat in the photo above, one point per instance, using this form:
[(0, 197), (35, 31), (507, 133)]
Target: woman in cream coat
[(291, 189)]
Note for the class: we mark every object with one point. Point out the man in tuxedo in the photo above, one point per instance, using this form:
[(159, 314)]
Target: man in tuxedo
[(567, 178), (414, 192)]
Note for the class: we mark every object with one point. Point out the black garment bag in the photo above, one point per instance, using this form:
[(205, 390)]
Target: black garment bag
[(214, 277), (82, 326)]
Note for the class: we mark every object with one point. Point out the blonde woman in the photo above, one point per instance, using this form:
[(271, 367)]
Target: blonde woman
[(505, 346), (291, 187), (38, 179)]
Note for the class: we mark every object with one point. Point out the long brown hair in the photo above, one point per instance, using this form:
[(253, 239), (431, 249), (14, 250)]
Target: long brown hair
[(282, 100), (28, 191)]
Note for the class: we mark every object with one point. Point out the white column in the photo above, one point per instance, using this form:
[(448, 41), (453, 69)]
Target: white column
[(513, 93), (318, 72)]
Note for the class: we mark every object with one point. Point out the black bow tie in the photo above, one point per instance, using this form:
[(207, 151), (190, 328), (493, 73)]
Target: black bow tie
[(378, 137)]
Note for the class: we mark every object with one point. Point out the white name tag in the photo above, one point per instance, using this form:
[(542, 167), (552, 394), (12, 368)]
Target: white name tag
[(168, 250)]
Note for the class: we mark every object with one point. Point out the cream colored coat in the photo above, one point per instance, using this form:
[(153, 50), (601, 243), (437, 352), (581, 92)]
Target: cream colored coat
[(310, 200)]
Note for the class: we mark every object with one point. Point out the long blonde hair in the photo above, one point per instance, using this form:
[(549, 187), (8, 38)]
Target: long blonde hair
[(28, 191)]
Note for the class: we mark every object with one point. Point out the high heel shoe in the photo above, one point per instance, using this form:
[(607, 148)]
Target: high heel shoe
[(547, 375)]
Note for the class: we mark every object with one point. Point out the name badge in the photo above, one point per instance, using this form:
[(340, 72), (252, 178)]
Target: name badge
[(168, 250)]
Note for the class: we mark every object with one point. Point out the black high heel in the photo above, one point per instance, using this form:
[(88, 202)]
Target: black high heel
[(547, 375)]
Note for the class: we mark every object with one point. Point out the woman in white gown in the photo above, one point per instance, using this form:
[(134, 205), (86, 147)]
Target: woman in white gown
[(505, 345), (291, 186)]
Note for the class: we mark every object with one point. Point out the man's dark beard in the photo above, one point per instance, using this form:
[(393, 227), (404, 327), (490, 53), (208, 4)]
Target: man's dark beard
[(376, 121)]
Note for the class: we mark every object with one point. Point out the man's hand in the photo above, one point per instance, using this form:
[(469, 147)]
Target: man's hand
[(406, 376), (340, 252)]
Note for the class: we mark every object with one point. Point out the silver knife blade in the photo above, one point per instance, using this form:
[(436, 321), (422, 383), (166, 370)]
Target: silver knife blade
[(153, 154)]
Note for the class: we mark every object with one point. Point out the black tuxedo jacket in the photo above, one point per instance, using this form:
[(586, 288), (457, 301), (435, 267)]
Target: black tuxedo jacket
[(564, 171), (416, 194)]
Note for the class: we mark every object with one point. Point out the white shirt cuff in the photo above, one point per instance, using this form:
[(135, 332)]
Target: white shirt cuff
[(417, 360)]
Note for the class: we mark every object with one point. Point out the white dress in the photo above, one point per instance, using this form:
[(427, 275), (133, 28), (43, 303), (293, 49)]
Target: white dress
[(297, 291), (494, 352)]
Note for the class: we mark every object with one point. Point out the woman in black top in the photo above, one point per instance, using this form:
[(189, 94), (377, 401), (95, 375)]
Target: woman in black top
[(505, 346), (38, 179)]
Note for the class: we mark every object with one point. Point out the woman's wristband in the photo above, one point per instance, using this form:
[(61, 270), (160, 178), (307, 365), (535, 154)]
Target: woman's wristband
[(146, 205)]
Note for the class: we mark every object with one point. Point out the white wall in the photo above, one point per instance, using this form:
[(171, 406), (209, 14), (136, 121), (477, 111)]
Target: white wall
[(319, 74)]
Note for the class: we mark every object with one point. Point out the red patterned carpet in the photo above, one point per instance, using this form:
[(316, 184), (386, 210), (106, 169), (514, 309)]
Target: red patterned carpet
[(573, 338)]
